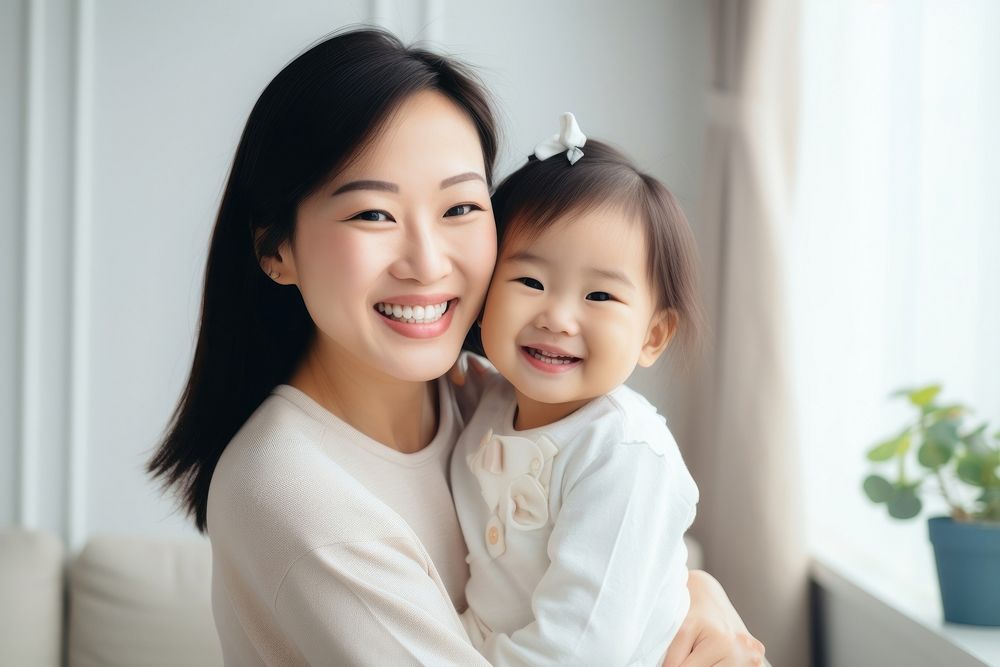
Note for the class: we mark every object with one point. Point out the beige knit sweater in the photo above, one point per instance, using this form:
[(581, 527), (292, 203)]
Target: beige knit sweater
[(332, 549)]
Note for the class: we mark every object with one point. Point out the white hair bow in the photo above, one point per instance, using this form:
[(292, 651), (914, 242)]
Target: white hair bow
[(569, 139)]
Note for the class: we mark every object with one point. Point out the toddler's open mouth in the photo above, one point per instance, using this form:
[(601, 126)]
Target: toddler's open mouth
[(549, 361)]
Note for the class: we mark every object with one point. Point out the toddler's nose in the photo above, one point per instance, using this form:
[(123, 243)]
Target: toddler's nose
[(558, 317)]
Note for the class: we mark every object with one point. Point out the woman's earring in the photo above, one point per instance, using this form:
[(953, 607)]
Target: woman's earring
[(273, 275)]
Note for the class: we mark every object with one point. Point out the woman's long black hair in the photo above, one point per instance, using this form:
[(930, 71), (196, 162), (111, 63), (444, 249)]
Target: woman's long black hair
[(318, 112)]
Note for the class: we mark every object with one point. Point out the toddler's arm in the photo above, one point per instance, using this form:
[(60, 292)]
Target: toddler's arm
[(616, 552)]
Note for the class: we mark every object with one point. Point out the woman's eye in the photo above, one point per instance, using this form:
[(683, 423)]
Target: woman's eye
[(599, 296), (373, 216), (461, 209), (530, 282)]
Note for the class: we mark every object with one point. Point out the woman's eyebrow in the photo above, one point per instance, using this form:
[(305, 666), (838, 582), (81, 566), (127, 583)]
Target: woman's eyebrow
[(381, 186), (467, 176), (386, 186)]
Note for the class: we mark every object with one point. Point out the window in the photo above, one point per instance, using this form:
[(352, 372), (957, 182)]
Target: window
[(895, 269)]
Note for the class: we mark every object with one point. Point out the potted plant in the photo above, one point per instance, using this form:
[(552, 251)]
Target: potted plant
[(963, 465)]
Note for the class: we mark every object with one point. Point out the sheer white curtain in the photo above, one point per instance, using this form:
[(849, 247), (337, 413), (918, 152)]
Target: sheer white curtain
[(895, 262)]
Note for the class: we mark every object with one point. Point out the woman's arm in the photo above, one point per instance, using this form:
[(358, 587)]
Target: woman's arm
[(370, 602), (712, 633)]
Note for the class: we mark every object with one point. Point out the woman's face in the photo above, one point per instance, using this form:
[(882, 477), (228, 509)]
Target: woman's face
[(393, 256)]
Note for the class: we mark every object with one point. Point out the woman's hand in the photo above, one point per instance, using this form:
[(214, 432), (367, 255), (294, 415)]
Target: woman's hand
[(712, 632)]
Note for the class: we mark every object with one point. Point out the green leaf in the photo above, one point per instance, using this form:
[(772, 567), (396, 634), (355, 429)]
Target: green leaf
[(990, 496), (934, 454), (924, 395), (904, 503), (970, 469), (991, 476), (937, 412), (885, 450), (877, 488), (944, 433), (903, 443)]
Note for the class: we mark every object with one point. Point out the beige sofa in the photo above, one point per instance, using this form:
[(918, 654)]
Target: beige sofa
[(120, 601), (123, 600)]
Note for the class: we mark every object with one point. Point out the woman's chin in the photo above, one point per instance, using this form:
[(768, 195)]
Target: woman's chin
[(420, 365)]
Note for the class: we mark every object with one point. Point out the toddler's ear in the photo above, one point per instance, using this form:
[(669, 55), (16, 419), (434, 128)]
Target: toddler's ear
[(662, 328)]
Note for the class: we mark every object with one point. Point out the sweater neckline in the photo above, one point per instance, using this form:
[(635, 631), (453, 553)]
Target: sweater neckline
[(443, 438)]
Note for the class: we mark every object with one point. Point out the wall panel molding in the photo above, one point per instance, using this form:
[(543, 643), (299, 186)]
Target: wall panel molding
[(79, 424), (31, 299), (44, 378), (13, 109)]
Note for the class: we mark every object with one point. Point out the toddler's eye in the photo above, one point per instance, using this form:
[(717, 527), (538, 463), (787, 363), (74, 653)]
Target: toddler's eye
[(599, 296), (373, 216), (461, 209), (530, 282)]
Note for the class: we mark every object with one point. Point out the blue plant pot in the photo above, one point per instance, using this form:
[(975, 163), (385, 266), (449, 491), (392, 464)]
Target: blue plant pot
[(968, 565)]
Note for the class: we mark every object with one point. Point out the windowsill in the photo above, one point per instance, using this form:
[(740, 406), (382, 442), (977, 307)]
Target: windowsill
[(914, 609)]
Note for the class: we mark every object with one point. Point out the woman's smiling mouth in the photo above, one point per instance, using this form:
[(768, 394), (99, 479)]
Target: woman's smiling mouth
[(417, 317), (413, 314)]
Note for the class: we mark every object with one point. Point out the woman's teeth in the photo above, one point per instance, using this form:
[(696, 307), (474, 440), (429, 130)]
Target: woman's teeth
[(555, 359), (413, 314)]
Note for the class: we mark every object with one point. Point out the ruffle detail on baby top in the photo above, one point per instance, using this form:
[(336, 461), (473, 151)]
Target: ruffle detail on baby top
[(513, 474)]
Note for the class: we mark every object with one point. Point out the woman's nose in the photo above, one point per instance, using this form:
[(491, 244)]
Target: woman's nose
[(424, 256), (559, 317)]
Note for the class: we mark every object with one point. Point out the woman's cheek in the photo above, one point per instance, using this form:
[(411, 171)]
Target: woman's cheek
[(479, 256), (343, 270)]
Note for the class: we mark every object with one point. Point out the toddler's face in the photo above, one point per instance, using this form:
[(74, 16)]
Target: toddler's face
[(570, 314)]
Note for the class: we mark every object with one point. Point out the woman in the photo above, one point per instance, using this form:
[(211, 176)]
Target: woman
[(351, 255)]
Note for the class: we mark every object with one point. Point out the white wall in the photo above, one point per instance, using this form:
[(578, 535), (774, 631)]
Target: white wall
[(122, 119)]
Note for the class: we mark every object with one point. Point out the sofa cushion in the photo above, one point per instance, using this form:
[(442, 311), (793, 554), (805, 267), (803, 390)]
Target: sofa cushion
[(31, 598), (142, 601)]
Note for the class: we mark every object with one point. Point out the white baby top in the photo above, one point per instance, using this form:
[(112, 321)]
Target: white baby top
[(330, 548), (575, 532)]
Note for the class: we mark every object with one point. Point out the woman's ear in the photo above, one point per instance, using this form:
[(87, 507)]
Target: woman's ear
[(662, 328), (279, 267)]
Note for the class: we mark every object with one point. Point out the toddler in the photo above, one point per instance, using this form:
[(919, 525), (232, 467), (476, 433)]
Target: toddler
[(571, 492)]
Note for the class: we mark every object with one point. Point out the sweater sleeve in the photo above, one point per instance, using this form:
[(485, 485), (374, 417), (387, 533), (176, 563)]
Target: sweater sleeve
[(369, 602), (616, 548)]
